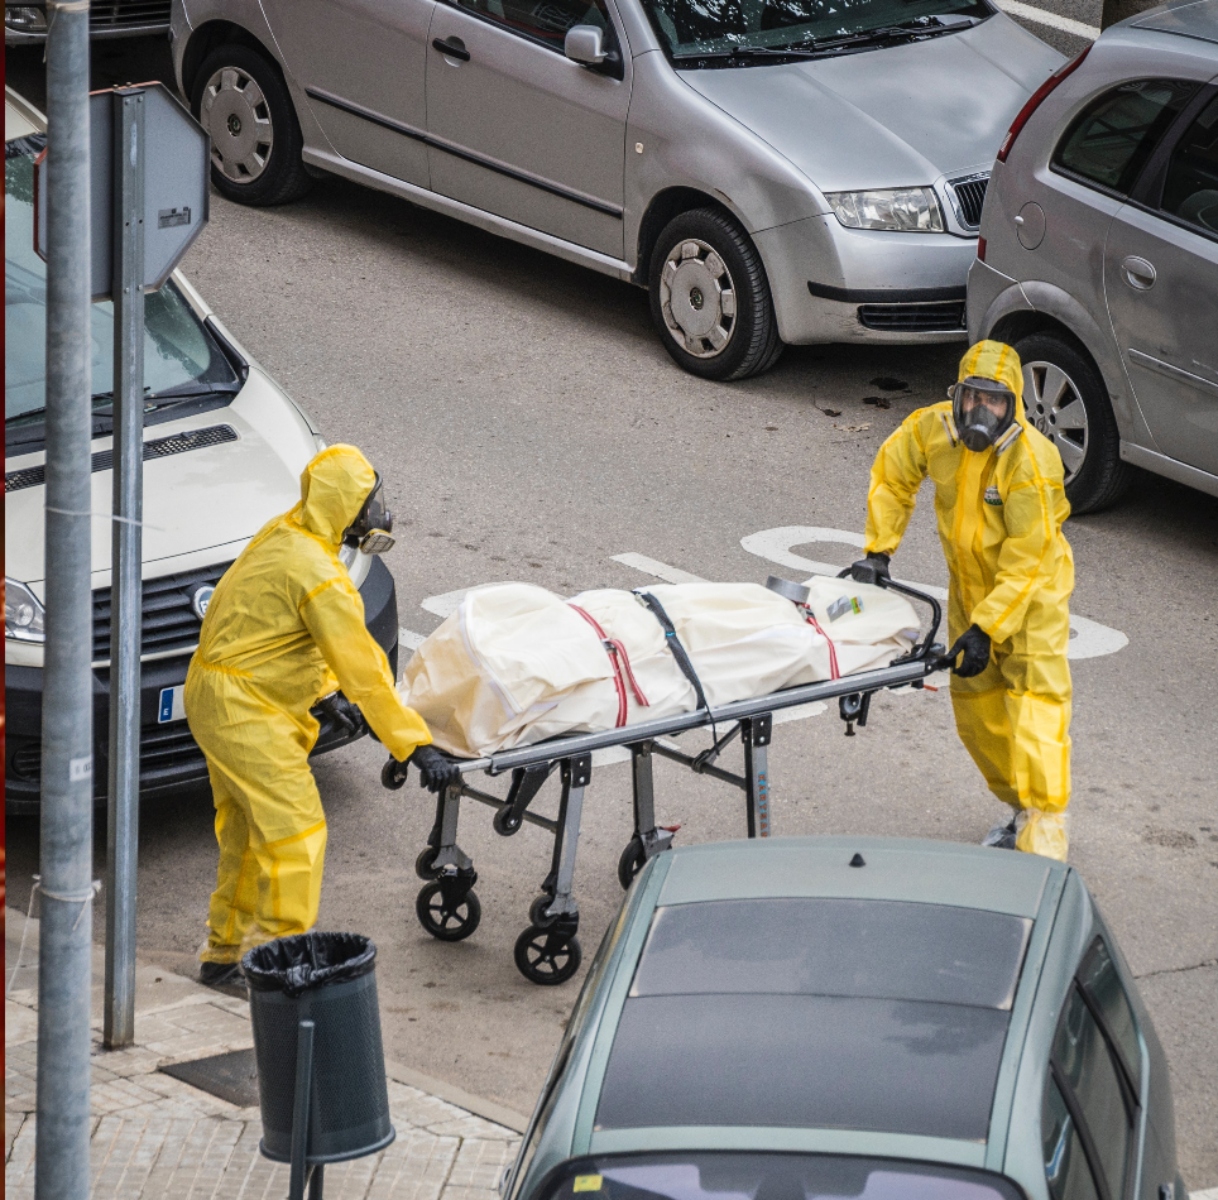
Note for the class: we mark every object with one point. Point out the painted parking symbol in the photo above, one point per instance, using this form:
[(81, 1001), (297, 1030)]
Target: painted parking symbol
[(1088, 639)]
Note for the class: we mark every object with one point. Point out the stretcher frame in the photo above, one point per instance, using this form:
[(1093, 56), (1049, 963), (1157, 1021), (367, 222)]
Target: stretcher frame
[(547, 951)]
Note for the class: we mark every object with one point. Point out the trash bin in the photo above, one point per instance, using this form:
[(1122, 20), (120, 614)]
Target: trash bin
[(329, 979)]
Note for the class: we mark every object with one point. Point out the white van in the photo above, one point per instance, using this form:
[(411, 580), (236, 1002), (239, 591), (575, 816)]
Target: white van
[(224, 447)]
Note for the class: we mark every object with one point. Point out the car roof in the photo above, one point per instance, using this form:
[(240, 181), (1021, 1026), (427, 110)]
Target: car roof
[(960, 934), (1188, 18), (21, 118)]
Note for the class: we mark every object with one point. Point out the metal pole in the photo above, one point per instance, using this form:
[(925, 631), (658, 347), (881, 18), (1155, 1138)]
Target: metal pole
[(302, 1110), (65, 939), (128, 503)]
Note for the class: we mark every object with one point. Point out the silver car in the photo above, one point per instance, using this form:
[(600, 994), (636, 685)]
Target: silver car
[(774, 171), (1099, 255)]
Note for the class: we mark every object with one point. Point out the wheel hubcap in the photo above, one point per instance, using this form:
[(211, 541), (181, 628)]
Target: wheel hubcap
[(236, 115), (697, 298), (1055, 407)]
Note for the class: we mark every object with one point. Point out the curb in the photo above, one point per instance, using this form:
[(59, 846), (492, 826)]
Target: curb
[(488, 1109)]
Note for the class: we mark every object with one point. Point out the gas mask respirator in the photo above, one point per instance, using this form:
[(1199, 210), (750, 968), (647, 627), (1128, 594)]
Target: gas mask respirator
[(370, 531), (983, 411)]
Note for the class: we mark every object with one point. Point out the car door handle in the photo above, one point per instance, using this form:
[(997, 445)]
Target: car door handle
[(1138, 273), (452, 47)]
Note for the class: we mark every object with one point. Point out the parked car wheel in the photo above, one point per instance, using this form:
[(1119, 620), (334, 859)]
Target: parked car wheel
[(710, 298), (1065, 398), (242, 102)]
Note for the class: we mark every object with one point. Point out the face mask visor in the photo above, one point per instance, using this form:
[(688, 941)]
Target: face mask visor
[(983, 411), (371, 529)]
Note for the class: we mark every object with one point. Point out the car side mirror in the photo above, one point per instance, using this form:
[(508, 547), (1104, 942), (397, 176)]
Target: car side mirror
[(585, 44)]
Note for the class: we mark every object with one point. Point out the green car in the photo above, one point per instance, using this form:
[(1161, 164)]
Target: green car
[(878, 1018)]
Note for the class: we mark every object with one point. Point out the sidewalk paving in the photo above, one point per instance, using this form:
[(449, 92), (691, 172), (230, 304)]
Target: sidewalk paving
[(154, 1136)]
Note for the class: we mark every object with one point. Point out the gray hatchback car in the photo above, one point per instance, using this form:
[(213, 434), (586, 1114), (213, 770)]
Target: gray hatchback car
[(774, 171), (1098, 258)]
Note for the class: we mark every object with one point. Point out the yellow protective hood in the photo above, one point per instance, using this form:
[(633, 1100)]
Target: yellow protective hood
[(333, 488), (997, 361)]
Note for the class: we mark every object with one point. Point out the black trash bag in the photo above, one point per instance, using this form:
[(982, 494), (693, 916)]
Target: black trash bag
[(294, 965)]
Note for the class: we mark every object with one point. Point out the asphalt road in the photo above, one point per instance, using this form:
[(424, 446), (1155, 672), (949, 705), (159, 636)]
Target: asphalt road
[(530, 426)]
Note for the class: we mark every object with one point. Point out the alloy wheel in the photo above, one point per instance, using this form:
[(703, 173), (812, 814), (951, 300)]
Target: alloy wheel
[(235, 113), (697, 298), (1055, 406)]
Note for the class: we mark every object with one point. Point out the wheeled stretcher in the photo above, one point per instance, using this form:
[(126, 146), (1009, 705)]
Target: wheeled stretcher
[(548, 950)]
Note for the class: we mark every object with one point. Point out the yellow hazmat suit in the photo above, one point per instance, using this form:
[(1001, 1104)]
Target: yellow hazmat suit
[(1000, 514), (284, 628)]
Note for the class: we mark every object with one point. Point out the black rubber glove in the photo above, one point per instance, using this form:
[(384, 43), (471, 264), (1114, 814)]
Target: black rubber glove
[(974, 643), (339, 712), (871, 569), (436, 770)]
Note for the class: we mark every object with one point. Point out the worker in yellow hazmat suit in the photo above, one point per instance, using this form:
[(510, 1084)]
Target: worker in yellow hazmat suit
[(284, 629), (1000, 505)]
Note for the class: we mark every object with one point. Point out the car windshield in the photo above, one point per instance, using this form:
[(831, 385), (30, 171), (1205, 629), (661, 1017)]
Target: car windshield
[(726, 1175), (690, 29), (181, 358)]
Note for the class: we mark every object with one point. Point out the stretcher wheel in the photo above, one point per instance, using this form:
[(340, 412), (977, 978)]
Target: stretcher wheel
[(504, 823), (537, 911), (448, 923), (425, 865), (547, 957), (631, 862)]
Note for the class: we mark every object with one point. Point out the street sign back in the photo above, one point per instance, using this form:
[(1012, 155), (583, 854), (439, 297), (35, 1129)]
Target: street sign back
[(176, 187)]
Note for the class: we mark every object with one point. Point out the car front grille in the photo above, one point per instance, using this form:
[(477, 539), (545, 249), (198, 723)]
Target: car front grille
[(112, 15), (968, 197), (937, 317), (26, 761), (166, 746), (162, 748), (169, 621)]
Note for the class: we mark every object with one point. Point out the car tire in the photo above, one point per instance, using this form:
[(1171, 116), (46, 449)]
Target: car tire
[(1065, 398), (240, 98), (710, 298)]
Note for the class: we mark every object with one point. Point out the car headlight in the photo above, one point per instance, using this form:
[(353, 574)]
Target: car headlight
[(25, 18), (909, 210), (24, 616)]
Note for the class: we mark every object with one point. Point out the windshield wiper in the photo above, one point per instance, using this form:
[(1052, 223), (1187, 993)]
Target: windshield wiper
[(743, 52), (178, 394), (813, 47)]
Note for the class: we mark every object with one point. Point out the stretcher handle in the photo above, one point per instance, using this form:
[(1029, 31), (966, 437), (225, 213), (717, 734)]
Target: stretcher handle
[(922, 650)]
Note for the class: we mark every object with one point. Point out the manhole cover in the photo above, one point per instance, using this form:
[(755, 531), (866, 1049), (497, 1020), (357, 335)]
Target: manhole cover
[(232, 1077)]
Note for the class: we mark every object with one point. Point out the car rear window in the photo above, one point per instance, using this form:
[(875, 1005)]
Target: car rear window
[(1110, 142), (823, 1013), (728, 1175)]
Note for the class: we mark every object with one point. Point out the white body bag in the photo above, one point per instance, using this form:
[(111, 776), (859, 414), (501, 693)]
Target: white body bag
[(516, 664)]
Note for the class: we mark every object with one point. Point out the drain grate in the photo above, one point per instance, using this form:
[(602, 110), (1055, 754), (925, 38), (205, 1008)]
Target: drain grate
[(232, 1077)]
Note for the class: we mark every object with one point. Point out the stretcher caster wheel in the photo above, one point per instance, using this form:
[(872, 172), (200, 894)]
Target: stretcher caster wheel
[(445, 919), (547, 956), (505, 824), (631, 862), (425, 865), (537, 911)]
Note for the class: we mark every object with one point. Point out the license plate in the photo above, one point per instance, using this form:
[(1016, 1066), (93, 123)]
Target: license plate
[(173, 704)]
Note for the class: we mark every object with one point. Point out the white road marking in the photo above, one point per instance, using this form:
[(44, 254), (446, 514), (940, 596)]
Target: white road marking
[(649, 566), (1088, 639), (410, 639), (1029, 12), (1207, 1194)]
